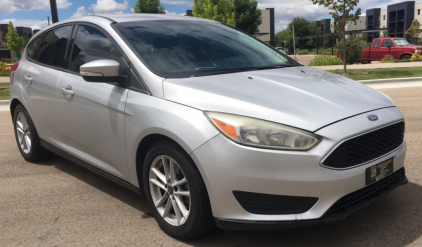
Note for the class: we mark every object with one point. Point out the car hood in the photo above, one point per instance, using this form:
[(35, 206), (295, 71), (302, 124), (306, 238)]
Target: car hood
[(302, 97)]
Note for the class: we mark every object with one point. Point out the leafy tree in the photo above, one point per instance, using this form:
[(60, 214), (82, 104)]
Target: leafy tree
[(354, 48), (149, 6), (303, 27), (285, 36), (414, 30), (14, 42), (247, 15), (217, 10), (341, 11)]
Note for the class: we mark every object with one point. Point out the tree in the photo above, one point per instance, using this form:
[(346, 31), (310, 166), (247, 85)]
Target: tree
[(303, 27), (14, 42), (247, 15), (414, 30), (354, 47), (217, 10), (341, 11), (149, 6)]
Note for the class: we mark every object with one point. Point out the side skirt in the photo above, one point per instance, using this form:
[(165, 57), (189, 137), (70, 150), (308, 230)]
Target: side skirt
[(88, 166)]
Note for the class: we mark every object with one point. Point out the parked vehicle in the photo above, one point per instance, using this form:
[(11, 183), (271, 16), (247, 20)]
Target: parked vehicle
[(399, 48), (210, 124)]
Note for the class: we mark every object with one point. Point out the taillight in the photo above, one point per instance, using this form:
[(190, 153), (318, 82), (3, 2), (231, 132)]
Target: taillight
[(14, 67)]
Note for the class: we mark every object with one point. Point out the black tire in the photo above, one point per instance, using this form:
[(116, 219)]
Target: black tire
[(36, 151), (200, 219), (404, 57)]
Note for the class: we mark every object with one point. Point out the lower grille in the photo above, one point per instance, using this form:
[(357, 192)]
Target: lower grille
[(364, 196), (257, 203), (366, 147)]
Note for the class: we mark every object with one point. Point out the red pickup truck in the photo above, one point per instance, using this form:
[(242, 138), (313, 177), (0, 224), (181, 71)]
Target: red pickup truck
[(399, 48)]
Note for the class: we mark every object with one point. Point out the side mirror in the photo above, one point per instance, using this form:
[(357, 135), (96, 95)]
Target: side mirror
[(389, 45), (103, 70)]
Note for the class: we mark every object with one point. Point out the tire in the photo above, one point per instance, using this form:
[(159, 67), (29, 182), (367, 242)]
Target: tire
[(194, 211), (26, 136), (404, 57)]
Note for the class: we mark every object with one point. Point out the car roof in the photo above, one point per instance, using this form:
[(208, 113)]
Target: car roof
[(119, 18)]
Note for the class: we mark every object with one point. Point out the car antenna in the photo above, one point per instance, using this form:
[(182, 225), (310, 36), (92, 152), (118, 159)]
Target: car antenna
[(91, 9)]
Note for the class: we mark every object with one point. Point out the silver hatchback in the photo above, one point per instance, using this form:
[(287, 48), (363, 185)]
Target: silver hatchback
[(211, 125)]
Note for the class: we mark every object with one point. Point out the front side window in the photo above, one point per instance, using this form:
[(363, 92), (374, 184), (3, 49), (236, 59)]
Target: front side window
[(376, 43), (32, 47), (91, 44), (386, 43), (53, 47), (179, 49), (401, 42)]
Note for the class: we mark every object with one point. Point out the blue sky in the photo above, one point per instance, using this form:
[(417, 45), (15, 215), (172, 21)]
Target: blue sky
[(33, 13)]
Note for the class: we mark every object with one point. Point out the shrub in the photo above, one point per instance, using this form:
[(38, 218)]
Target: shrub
[(354, 49), (387, 59), (325, 60), (303, 52), (416, 57), (6, 60), (4, 68), (402, 61)]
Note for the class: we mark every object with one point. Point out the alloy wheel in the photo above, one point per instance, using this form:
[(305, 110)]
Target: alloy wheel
[(23, 133), (169, 190)]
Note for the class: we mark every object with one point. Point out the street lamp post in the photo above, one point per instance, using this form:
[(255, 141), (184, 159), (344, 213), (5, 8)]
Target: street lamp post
[(54, 15)]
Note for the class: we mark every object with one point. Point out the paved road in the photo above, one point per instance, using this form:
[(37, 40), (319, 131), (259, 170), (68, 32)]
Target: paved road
[(57, 203)]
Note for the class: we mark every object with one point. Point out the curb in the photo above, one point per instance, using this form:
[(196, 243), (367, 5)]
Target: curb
[(4, 102), (394, 80)]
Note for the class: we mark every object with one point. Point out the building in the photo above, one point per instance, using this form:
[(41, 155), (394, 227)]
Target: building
[(267, 29)]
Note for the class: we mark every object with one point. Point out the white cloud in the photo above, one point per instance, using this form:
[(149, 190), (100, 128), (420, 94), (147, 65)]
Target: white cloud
[(34, 24), (10, 6), (174, 13), (173, 2), (132, 10), (109, 6), (80, 12)]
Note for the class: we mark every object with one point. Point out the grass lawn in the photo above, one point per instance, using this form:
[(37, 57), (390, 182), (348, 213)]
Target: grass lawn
[(384, 73), (4, 93)]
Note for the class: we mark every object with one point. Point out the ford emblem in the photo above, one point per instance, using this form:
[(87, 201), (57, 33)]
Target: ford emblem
[(373, 117)]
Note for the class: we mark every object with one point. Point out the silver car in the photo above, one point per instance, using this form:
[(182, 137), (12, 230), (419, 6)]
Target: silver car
[(212, 126)]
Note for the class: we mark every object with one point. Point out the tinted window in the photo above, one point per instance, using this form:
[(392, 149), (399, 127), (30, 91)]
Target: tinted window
[(386, 43), (32, 48), (376, 43), (91, 44), (178, 49), (53, 47)]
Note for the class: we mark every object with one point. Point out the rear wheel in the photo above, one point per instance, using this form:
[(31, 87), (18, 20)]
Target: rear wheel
[(405, 57), (175, 192), (26, 136)]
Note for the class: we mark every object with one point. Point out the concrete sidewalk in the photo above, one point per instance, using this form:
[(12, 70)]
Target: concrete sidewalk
[(4, 79), (374, 65)]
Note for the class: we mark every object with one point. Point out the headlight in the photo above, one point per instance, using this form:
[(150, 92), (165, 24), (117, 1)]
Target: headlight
[(263, 134), (418, 51)]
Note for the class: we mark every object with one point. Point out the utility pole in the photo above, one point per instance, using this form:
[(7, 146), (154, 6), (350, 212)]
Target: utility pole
[(54, 15), (294, 42), (48, 19)]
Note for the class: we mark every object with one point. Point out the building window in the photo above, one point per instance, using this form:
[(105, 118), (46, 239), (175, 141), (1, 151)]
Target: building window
[(383, 17), (419, 11), (356, 23)]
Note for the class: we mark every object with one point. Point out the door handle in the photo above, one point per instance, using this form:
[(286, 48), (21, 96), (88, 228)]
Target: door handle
[(67, 91), (28, 79)]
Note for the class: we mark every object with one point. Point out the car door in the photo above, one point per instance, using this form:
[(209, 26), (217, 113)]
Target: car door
[(375, 51), (92, 114), (41, 69), (385, 50)]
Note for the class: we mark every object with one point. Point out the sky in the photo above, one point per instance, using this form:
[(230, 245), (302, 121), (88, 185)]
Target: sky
[(33, 13)]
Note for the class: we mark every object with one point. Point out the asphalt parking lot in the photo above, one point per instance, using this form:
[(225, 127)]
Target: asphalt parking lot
[(57, 203)]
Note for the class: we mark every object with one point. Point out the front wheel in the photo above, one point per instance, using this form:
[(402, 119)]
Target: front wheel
[(175, 192), (405, 57)]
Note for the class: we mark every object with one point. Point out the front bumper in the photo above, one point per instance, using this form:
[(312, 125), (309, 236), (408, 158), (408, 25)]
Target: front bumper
[(227, 167)]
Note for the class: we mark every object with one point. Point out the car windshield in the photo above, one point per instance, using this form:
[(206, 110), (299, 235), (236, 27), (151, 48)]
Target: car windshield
[(180, 49), (401, 42)]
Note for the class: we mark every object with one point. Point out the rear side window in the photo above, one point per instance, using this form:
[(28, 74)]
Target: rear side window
[(53, 47), (91, 44), (376, 43), (32, 48)]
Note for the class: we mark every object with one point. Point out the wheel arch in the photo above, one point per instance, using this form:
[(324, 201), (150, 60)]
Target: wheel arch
[(405, 54), (15, 102)]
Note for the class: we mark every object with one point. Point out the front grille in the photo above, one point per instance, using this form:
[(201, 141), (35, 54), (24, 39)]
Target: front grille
[(362, 197), (366, 147), (257, 203)]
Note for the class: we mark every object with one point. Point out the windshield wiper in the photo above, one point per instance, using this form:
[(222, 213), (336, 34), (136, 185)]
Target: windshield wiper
[(275, 66)]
